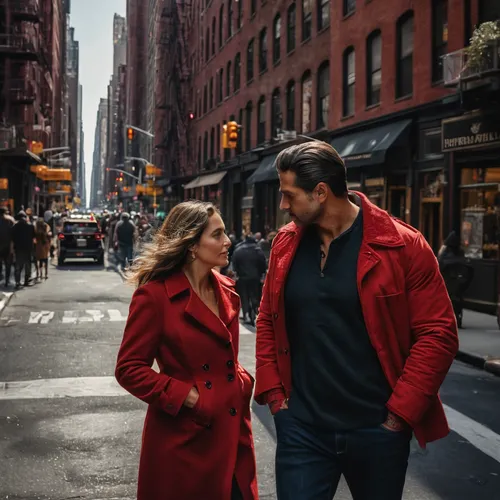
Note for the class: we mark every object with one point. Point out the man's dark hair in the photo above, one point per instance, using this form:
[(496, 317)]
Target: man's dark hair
[(312, 163)]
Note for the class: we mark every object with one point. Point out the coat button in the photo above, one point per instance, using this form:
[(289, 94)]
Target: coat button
[(208, 384), (230, 363), (275, 315), (285, 351), (230, 377), (206, 367), (232, 412), (208, 426)]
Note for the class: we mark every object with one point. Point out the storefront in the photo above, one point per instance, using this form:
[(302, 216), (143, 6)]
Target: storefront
[(206, 187), (472, 142)]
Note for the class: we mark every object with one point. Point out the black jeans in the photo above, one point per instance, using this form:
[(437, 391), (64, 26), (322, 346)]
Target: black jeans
[(310, 462), (23, 260), (249, 290), (6, 261)]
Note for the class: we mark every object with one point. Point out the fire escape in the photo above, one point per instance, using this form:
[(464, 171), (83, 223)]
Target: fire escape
[(21, 47), (175, 98)]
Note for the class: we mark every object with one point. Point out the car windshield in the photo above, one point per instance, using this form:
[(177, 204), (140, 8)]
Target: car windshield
[(81, 227)]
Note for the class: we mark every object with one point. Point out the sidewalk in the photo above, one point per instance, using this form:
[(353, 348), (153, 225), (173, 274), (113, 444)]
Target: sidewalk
[(480, 341)]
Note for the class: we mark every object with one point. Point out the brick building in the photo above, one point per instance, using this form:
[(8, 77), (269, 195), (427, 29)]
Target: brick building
[(32, 86)]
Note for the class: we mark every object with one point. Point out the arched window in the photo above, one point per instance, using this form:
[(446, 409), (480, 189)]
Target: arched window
[(306, 102), (323, 14), (207, 45), (349, 7), (253, 7), (248, 126), (373, 68), (307, 8), (277, 39), (276, 117), (228, 79), (213, 35), (250, 63), (323, 95), (221, 85), (349, 78), (212, 143), (239, 14), (229, 18), (404, 60), (261, 120), (221, 26), (263, 50), (237, 72), (291, 21), (290, 105), (211, 93)]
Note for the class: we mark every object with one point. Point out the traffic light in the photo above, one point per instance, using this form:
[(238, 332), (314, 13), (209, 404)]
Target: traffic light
[(224, 137), (130, 133), (232, 134)]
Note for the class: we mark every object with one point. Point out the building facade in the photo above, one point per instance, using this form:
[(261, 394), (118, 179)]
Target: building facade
[(100, 156)]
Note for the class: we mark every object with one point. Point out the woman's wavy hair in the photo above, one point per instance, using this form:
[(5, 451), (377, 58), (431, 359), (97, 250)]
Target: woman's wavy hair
[(169, 250)]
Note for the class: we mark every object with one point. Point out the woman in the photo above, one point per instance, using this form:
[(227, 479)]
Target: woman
[(197, 439), (42, 248)]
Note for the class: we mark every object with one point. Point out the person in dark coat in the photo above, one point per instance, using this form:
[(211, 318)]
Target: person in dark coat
[(197, 439), (23, 236), (6, 225)]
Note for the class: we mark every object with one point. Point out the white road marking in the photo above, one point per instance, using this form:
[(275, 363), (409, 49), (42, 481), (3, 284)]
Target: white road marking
[(480, 436), (42, 317), (70, 317), (5, 299), (95, 314), (116, 315)]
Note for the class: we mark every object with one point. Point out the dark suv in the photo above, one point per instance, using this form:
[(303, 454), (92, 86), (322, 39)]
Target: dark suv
[(80, 238)]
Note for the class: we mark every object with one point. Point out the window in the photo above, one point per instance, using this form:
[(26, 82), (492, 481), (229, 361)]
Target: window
[(261, 125), (276, 39), (237, 72), (323, 14), (306, 19), (248, 126), (221, 85), (349, 76), (439, 37), (290, 106), (205, 149), (221, 26), (349, 7), (250, 60), (404, 76), (229, 19), (211, 93), (263, 50), (212, 143), (228, 79), (199, 153), (217, 140), (253, 7), (205, 100), (239, 145), (276, 117), (290, 31), (306, 102), (213, 35), (373, 68), (207, 45), (323, 95), (239, 14), (202, 50)]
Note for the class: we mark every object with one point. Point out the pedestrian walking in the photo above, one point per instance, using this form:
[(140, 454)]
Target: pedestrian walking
[(43, 236), (249, 264), (355, 336), (6, 247), (23, 238), (197, 439), (125, 237)]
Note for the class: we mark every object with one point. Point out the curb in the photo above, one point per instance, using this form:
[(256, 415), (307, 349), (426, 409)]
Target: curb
[(491, 365)]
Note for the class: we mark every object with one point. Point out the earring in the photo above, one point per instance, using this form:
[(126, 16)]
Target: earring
[(193, 256)]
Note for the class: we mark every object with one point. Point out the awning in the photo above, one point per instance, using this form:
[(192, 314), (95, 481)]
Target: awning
[(206, 180), (370, 146), (266, 171)]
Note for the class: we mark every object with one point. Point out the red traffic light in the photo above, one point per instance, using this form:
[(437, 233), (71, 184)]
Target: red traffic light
[(191, 116)]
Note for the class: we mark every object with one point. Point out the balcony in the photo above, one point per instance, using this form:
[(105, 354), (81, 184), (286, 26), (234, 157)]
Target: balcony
[(18, 47), (22, 92), (26, 10), (460, 70)]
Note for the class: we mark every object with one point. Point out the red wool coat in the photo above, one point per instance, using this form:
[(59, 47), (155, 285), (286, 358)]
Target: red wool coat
[(406, 309), (189, 453)]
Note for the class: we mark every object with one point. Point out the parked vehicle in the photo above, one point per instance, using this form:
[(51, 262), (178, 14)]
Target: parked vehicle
[(80, 238)]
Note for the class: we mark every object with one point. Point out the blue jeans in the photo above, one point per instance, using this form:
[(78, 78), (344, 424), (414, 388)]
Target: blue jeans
[(126, 254), (310, 462)]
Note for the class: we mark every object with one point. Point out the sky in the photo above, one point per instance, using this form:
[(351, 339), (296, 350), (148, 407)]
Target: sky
[(93, 23)]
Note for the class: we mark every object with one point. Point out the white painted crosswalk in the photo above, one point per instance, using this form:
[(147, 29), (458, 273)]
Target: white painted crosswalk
[(4, 298)]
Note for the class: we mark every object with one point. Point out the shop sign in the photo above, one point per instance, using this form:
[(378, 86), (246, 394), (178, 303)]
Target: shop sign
[(470, 132)]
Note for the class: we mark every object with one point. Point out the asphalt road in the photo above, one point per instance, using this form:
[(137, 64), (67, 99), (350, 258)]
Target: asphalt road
[(67, 431)]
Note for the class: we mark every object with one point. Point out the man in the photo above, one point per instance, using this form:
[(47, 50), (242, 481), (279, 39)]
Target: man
[(6, 250), (355, 336), (23, 238), (249, 264), (125, 236)]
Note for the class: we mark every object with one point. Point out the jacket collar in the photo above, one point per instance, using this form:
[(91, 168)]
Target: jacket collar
[(378, 226)]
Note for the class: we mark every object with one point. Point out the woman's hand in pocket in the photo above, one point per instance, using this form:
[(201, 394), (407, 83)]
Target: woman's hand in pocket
[(192, 398)]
